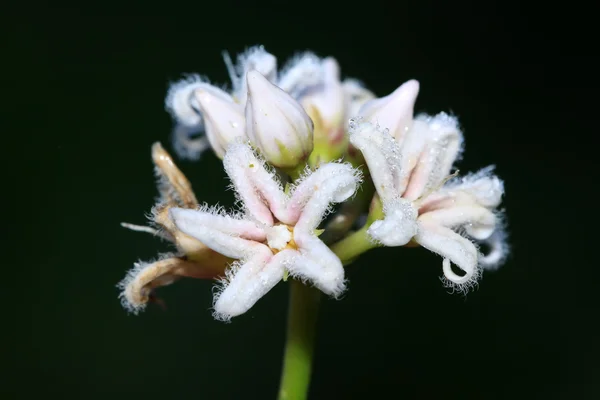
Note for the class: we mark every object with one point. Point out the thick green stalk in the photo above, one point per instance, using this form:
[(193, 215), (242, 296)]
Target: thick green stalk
[(353, 245), (301, 328)]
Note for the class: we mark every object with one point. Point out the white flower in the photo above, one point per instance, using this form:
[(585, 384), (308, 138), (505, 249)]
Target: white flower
[(409, 179), (276, 123), (276, 231)]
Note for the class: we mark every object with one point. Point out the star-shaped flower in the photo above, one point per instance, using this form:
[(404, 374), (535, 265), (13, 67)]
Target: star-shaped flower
[(410, 167), (275, 233)]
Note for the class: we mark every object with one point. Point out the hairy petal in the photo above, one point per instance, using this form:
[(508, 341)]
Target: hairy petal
[(173, 186), (442, 147), (479, 222), (181, 103), (144, 277), (498, 250), (250, 281), (258, 189), (316, 191), (398, 226), (231, 237), (317, 264), (454, 248), (301, 75), (186, 144), (382, 155), (256, 58)]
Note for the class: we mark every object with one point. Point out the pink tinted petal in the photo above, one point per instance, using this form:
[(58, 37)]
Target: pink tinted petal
[(441, 149), (257, 188), (311, 199)]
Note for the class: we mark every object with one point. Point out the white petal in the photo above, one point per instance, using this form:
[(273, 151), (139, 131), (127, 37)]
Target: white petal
[(399, 225), (454, 248), (478, 221), (485, 188), (255, 58), (395, 111), (318, 264), (250, 281), (186, 145), (382, 155), (312, 197), (230, 237), (180, 101), (258, 189), (441, 149), (498, 250), (301, 74)]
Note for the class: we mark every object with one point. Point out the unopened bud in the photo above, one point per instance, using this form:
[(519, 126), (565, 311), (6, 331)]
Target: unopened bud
[(394, 111), (276, 123), (223, 119)]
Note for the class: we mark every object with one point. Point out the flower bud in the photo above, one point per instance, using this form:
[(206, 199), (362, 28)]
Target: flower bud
[(325, 106), (254, 58), (394, 111), (223, 119), (276, 123)]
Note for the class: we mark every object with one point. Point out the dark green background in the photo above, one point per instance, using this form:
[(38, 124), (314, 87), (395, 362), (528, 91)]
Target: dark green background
[(89, 106)]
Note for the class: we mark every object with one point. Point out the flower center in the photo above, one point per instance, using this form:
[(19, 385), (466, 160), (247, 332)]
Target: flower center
[(280, 237)]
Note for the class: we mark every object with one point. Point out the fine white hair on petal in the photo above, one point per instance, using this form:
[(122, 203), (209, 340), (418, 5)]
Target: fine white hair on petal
[(498, 247), (441, 147), (222, 234), (454, 248), (399, 225), (254, 58), (382, 155), (314, 193), (247, 282), (257, 187), (478, 222), (186, 145), (134, 294), (383, 158), (303, 73), (181, 103), (318, 265), (483, 186)]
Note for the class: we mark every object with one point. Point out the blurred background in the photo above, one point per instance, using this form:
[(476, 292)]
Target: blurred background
[(90, 105)]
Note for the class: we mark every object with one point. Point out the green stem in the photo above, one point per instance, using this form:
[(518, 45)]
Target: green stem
[(353, 245), (301, 327)]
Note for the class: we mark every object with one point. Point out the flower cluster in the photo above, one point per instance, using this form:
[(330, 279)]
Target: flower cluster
[(294, 143)]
